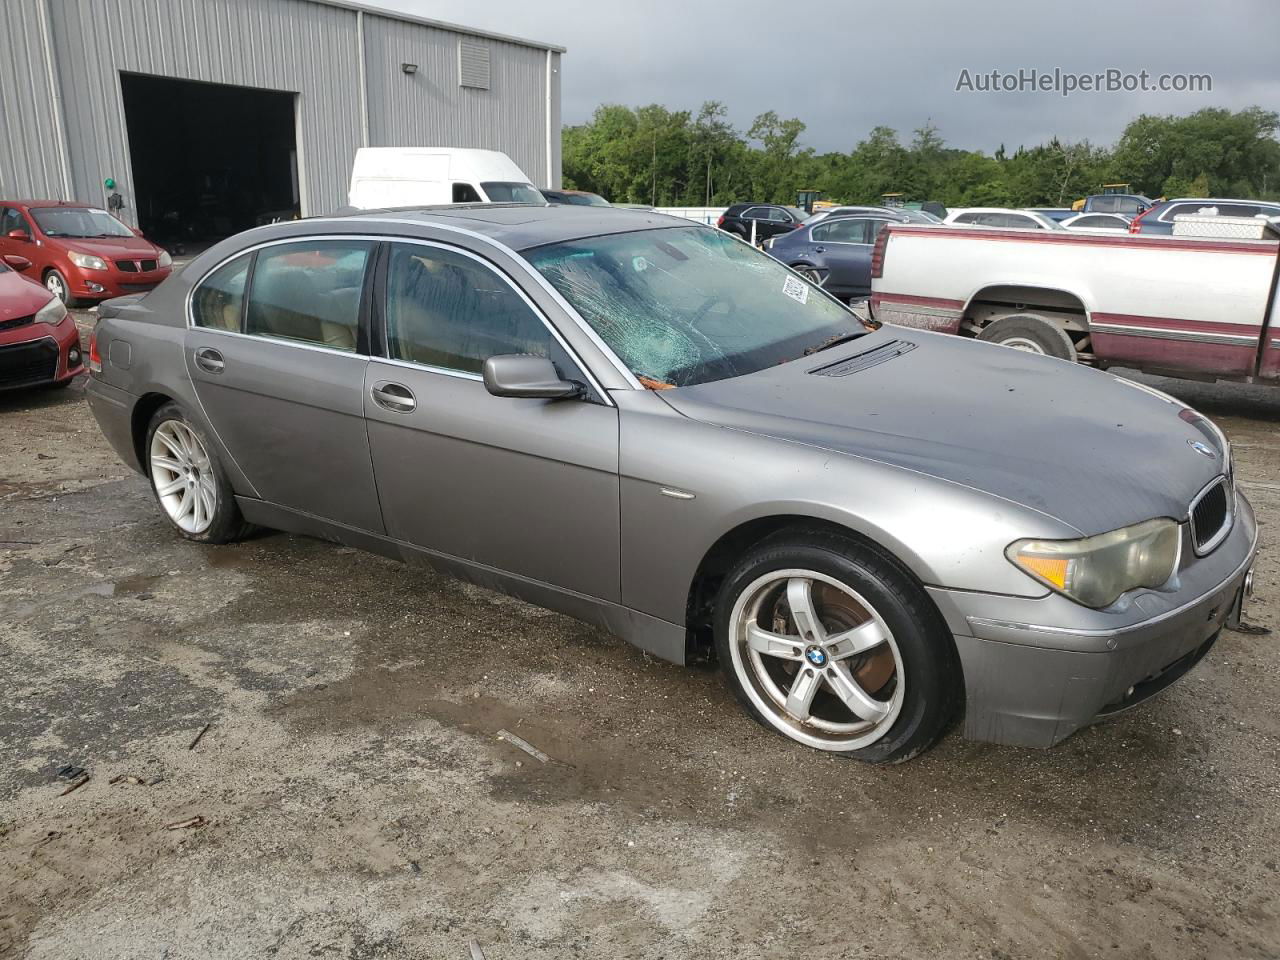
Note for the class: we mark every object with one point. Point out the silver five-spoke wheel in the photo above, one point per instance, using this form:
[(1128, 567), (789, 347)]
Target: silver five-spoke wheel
[(816, 659), (183, 476)]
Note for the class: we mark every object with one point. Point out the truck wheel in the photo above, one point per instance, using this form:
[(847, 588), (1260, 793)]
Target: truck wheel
[(1031, 334)]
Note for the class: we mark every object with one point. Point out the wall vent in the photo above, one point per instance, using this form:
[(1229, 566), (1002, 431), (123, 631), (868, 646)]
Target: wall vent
[(473, 64)]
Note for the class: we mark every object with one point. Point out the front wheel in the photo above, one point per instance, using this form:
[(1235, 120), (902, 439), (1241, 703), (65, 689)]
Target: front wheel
[(189, 483), (829, 643), (57, 284)]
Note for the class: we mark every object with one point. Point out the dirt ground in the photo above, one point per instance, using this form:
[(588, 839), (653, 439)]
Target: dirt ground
[(356, 800)]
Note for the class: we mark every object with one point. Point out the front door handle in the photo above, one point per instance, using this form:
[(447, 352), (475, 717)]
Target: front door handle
[(210, 360), (395, 397), (819, 249)]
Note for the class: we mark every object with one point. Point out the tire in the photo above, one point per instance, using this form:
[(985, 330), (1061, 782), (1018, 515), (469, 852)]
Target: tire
[(1031, 334), (198, 500), (909, 677), (809, 273), (57, 284)]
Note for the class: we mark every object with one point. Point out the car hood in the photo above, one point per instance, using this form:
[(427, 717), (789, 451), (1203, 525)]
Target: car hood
[(20, 296), (1079, 445), (122, 248)]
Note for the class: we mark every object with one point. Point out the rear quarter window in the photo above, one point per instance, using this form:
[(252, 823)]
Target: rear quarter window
[(219, 298)]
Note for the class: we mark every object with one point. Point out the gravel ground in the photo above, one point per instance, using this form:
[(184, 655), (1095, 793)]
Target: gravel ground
[(355, 800)]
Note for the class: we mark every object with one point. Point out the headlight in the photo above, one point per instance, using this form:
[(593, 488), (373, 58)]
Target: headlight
[(52, 312), (87, 261), (165, 260), (1096, 570)]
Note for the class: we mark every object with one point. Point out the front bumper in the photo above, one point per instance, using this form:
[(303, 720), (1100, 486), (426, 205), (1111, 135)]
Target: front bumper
[(1032, 684), (105, 284), (38, 354)]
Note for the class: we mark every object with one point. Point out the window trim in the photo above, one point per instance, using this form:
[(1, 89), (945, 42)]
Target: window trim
[(382, 350)]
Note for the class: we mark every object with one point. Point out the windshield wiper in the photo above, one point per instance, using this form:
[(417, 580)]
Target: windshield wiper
[(835, 341)]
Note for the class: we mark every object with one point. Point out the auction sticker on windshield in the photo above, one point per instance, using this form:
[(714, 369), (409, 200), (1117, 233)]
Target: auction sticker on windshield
[(796, 289)]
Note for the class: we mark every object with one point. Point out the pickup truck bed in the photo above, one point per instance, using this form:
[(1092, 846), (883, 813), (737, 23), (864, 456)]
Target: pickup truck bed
[(1192, 307)]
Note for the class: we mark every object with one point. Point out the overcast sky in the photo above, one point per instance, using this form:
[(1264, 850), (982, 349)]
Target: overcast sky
[(844, 67)]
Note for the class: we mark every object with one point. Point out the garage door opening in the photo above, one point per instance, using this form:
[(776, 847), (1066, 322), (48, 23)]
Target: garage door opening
[(209, 160)]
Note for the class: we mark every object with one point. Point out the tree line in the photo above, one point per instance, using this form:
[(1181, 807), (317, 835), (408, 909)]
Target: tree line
[(653, 155)]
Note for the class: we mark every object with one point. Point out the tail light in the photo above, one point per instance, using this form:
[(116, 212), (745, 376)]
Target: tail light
[(720, 221), (1134, 224), (95, 358), (877, 253)]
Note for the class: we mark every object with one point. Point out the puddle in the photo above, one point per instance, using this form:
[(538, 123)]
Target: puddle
[(128, 586)]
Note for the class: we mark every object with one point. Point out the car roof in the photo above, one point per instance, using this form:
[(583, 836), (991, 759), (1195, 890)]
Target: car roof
[(1260, 203), (524, 225), (45, 203)]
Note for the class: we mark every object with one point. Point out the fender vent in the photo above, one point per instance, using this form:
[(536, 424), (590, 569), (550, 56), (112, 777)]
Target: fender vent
[(861, 361)]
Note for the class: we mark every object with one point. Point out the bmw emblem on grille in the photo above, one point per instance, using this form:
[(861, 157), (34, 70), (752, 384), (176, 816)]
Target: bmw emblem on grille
[(817, 656), (1203, 448)]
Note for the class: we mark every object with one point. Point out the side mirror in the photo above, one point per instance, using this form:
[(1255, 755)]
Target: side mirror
[(522, 375), (19, 235), (17, 262)]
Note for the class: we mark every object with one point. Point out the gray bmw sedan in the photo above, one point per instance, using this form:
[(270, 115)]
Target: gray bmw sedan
[(653, 427)]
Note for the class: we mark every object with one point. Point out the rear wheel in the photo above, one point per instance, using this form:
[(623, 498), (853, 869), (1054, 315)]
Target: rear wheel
[(189, 483), (809, 273), (1031, 334), (829, 643)]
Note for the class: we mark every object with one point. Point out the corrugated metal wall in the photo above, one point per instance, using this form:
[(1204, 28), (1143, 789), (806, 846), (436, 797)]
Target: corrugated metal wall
[(31, 158), (430, 108), (306, 48)]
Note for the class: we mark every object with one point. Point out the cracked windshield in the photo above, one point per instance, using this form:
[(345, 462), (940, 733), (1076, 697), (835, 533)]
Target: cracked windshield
[(684, 306)]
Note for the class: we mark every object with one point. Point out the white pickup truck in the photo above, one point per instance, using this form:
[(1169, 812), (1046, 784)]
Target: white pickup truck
[(1180, 306)]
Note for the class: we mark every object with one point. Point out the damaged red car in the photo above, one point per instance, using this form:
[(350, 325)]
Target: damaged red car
[(39, 342)]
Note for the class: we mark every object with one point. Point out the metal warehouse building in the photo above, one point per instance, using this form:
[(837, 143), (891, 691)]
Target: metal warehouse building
[(207, 116)]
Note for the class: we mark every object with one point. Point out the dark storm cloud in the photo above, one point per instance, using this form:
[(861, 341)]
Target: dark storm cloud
[(845, 67)]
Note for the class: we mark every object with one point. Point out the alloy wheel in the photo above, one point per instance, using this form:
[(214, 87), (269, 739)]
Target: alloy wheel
[(817, 660), (53, 283), (182, 474)]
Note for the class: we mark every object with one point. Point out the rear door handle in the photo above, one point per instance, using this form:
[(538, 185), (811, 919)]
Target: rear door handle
[(395, 397), (210, 360)]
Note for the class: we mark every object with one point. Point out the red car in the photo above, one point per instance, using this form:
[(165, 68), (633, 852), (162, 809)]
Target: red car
[(80, 253), (39, 342)]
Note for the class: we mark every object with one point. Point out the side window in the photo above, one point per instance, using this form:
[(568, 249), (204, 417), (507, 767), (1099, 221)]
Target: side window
[(1104, 204), (778, 216), (445, 309), (1128, 205), (849, 231), (755, 213), (968, 218), (1013, 220), (11, 219), (310, 292), (218, 299), (465, 193)]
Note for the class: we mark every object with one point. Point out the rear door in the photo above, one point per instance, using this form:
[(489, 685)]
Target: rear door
[(523, 486), (278, 358)]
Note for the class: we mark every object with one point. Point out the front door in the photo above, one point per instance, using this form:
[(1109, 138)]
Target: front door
[(275, 359), (526, 487)]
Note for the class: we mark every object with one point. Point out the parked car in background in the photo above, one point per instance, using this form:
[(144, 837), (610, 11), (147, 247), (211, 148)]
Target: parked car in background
[(581, 198), (417, 176), (80, 253), (1097, 221), (835, 252), (1158, 219), (898, 214), (1129, 204), (1176, 306), (39, 342), (768, 219), (1055, 213), (1001, 217), (648, 425)]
